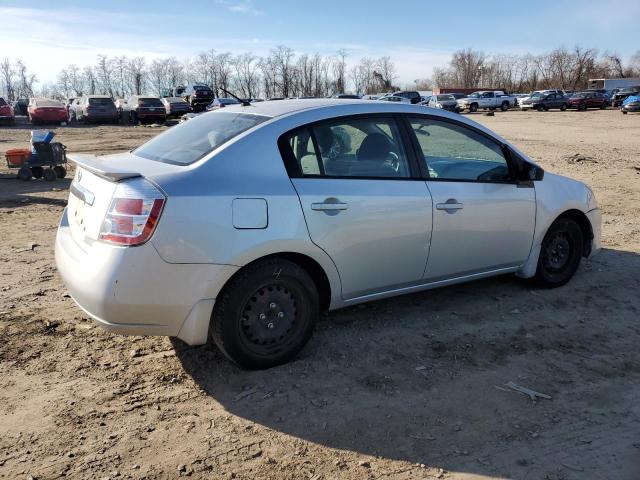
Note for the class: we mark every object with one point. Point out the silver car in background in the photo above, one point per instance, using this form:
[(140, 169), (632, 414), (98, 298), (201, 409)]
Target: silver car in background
[(242, 224)]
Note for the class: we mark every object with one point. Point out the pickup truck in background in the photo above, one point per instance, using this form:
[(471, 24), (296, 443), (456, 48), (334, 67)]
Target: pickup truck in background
[(487, 100)]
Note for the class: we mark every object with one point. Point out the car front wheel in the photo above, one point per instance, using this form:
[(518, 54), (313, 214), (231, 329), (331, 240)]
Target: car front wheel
[(266, 314), (560, 253), (563, 107)]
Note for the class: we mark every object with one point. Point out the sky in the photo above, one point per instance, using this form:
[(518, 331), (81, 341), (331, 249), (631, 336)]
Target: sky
[(418, 35)]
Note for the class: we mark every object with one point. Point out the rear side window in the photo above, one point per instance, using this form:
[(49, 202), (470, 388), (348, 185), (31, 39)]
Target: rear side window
[(355, 148), (188, 142), (455, 152)]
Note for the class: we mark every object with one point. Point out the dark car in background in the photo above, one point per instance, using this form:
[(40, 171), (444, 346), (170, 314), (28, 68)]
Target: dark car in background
[(623, 93), (94, 109), (197, 95), (545, 101), (413, 96), (588, 99), (146, 109), (20, 106), (176, 106), (46, 110), (348, 96), (6, 112)]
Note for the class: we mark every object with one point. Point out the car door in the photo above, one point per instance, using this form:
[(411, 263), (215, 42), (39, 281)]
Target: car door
[(363, 200), (483, 220)]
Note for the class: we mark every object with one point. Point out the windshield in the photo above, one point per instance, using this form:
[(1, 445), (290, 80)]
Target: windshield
[(630, 89), (192, 140), (445, 97), (100, 101), (580, 95), (474, 95), (538, 95), (149, 102)]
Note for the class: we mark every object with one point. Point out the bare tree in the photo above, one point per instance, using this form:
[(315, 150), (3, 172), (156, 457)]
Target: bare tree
[(136, 71), (7, 73)]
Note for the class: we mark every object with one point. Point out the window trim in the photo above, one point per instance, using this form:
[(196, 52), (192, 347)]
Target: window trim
[(294, 170), (512, 163)]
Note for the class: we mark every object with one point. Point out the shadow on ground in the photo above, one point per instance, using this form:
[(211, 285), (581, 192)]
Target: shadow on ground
[(414, 378)]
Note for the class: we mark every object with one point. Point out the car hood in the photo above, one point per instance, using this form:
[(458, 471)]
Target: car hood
[(631, 99)]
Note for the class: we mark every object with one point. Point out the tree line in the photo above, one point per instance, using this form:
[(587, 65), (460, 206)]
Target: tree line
[(283, 73), (562, 68)]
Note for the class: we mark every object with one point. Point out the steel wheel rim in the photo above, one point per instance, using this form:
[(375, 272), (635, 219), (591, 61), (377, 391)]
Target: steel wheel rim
[(557, 253), (269, 319)]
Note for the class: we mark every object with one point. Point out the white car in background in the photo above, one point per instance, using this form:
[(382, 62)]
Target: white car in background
[(244, 223)]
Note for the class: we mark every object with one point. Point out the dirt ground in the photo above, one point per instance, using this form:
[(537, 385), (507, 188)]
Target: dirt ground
[(407, 388)]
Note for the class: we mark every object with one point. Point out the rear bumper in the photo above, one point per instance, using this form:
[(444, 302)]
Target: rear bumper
[(132, 291), (102, 116)]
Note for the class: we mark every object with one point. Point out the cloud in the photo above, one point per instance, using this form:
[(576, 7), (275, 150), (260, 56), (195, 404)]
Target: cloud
[(244, 7)]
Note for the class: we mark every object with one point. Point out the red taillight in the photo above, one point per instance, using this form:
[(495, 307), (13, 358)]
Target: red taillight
[(133, 214)]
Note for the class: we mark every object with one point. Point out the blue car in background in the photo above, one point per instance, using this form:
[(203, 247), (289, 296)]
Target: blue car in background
[(631, 104)]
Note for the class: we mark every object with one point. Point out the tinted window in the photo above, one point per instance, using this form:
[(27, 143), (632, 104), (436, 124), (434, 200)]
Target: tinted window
[(149, 102), (365, 147), (190, 141), (100, 101), (2, 102), (454, 152)]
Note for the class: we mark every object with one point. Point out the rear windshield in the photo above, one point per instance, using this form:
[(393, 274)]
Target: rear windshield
[(2, 102), (190, 141), (100, 101), (149, 102), (201, 87), (48, 103)]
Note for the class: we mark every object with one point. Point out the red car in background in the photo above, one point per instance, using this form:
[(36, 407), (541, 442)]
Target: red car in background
[(44, 110), (6, 112), (591, 99)]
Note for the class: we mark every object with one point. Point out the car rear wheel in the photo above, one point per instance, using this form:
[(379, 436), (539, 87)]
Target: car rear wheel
[(541, 108), (560, 253), (505, 106), (603, 106), (473, 107), (266, 314), (563, 107), (624, 112)]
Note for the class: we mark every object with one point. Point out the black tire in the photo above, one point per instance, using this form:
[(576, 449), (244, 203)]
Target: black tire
[(624, 112), (50, 175), (61, 172), (505, 106), (37, 172), (582, 108), (262, 301), (603, 106), (563, 107), (24, 174), (473, 108), (560, 253), (540, 108)]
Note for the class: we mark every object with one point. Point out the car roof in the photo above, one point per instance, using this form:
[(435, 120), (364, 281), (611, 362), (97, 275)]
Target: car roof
[(276, 108), (97, 96)]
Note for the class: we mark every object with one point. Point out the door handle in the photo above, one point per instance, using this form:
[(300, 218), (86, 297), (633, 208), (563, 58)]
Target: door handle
[(450, 205), (328, 206)]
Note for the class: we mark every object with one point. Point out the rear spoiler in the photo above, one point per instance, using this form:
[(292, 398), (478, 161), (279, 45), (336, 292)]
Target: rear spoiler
[(93, 164)]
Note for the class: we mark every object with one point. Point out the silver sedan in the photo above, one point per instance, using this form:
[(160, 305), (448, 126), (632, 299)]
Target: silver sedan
[(244, 223)]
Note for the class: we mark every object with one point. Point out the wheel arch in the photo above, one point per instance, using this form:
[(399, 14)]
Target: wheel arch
[(315, 270), (585, 225)]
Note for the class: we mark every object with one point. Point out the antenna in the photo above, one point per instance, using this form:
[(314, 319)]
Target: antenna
[(244, 103)]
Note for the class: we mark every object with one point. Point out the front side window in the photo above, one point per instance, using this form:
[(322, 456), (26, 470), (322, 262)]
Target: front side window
[(454, 152), (360, 148)]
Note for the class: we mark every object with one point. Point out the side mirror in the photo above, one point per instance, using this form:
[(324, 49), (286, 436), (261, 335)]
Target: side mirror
[(533, 172), (526, 171)]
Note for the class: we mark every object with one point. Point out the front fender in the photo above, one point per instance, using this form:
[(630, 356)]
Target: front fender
[(556, 195)]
